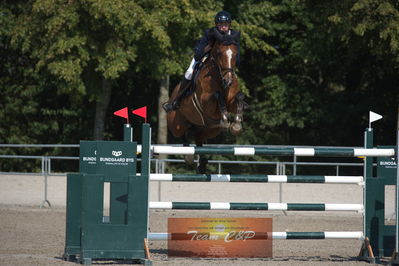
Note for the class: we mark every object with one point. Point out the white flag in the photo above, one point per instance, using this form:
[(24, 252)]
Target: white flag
[(374, 117)]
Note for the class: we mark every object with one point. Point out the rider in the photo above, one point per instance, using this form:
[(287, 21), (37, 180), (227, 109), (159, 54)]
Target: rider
[(222, 24)]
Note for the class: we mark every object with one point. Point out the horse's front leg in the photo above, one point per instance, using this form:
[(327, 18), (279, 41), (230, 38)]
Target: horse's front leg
[(202, 160), (236, 126), (224, 123)]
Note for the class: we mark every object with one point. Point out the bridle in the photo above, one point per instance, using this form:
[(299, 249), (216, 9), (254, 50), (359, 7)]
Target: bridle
[(228, 39), (222, 72)]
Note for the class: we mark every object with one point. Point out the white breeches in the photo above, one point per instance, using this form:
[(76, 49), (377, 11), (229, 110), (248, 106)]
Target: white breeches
[(189, 72)]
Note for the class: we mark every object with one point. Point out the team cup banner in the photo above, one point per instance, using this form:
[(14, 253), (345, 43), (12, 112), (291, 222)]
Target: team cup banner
[(220, 237)]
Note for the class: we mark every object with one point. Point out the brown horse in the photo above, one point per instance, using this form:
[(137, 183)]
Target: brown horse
[(205, 113)]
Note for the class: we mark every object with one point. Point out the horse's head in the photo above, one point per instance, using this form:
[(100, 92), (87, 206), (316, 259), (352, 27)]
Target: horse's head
[(224, 54)]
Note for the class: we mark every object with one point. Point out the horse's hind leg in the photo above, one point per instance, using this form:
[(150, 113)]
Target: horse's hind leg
[(236, 126), (202, 160)]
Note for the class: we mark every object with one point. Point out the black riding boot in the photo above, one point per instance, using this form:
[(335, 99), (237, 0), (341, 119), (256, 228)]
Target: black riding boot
[(184, 85)]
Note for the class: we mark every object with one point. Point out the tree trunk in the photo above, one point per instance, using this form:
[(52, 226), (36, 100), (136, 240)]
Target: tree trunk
[(101, 109), (162, 136)]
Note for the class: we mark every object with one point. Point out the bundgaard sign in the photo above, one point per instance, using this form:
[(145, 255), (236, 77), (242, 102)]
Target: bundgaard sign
[(108, 157)]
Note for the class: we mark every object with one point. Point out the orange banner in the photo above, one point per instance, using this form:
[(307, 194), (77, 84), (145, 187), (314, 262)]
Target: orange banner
[(220, 237)]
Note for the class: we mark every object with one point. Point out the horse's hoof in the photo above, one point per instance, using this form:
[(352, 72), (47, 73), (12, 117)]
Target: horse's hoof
[(189, 159), (235, 128), (238, 119)]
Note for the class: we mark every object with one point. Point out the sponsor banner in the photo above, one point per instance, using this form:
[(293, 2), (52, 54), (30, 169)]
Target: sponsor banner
[(108, 157), (220, 237), (88, 157), (388, 163), (387, 166)]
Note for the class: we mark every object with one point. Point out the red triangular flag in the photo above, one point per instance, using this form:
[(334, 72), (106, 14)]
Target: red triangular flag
[(141, 112), (123, 113)]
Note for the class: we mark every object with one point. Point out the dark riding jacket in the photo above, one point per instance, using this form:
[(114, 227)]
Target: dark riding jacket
[(206, 39)]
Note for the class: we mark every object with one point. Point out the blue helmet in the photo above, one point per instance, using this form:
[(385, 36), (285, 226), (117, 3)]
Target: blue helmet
[(222, 16)]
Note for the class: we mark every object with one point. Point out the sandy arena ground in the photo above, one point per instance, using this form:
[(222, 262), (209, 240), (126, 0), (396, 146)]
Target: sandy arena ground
[(30, 235)]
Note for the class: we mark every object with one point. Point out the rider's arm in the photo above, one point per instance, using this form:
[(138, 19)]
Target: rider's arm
[(200, 49)]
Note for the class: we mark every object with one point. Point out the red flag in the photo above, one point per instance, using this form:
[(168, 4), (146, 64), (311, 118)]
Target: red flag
[(123, 113), (141, 112)]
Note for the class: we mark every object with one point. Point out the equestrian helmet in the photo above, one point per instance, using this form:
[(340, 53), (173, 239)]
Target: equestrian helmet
[(222, 16)]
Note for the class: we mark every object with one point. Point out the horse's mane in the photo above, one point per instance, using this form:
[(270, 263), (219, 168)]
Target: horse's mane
[(226, 39)]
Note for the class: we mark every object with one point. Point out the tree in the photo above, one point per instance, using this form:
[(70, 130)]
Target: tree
[(84, 45), (364, 60)]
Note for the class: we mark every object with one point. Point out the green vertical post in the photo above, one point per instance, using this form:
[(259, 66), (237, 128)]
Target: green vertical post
[(145, 151), (368, 144), (146, 161), (73, 216), (370, 194), (127, 132), (146, 158)]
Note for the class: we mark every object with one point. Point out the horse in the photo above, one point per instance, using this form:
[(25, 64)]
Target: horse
[(215, 96)]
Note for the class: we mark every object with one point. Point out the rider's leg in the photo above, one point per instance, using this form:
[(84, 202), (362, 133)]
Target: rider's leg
[(184, 85)]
